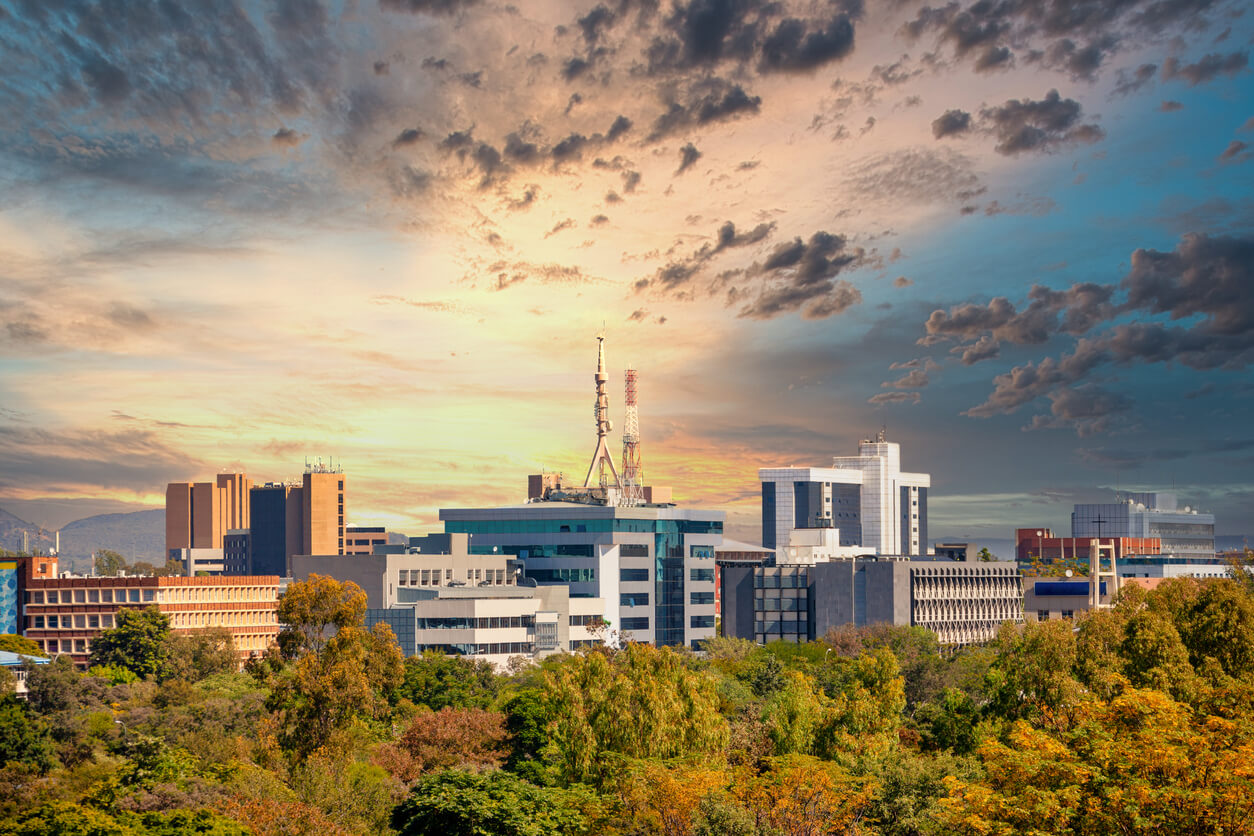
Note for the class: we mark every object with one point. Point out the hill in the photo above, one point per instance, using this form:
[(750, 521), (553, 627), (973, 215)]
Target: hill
[(137, 536)]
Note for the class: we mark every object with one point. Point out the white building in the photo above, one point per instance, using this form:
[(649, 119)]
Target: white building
[(1183, 531), (867, 498)]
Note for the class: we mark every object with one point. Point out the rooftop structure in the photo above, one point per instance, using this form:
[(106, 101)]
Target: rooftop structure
[(1181, 531)]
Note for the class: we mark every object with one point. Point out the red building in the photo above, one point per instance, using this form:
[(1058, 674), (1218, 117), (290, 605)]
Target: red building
[(1040, 544)]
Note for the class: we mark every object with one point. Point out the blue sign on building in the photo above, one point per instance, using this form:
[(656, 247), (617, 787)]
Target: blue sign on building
[(8, 596)]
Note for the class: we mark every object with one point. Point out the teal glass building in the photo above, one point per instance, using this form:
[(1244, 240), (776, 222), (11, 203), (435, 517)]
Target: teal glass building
[(653, 565)]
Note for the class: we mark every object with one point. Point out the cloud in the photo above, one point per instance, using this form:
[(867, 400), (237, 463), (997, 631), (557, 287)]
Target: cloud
[(1072, 311), (1023, 125), (1170, 106), (894, 397), (1208, 68), (287, 138), (914, 379), (564, 224), (430, 7), (985, 348), (409, 136), (800, 276), (598, 220), (1130, 83), (688, 156), (902, 281), (1088, 409), (951, 123), (1236, 151), (795, 46), (703, 102)]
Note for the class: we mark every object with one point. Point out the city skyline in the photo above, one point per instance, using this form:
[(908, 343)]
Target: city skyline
[(1020, 238)]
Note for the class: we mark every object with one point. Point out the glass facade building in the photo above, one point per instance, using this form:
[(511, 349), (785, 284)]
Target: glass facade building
[(649, 560)]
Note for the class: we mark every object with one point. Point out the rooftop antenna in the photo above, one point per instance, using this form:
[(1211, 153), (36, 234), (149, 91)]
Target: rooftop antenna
[(601, 457), (633, 467)]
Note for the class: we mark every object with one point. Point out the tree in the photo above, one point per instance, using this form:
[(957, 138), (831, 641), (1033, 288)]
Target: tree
[(309, 609), (490, 804), (20, 644), (194, 656), (804, 796), (664, 798), (109, 563), (354, 674), (436, 680), (138, 642), (985, 555), (451, 738), (641, 702), (23, 738)]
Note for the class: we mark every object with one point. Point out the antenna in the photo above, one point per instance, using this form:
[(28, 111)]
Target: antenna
[(633, 467), (601, 457)]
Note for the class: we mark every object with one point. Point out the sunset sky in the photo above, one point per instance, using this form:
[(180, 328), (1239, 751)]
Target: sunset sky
[(1018, 234)]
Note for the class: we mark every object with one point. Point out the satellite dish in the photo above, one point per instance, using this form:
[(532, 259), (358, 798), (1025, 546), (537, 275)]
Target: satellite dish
[(1068, 573)]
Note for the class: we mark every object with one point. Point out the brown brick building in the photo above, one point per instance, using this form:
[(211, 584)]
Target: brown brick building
[(198, 514), (63, 614)]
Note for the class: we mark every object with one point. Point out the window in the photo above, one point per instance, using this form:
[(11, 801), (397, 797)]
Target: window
[(699, 598), (150, 595), (1068, 613), (635, 624), (93, 596), (702, 575), (633, 575), (36, 597), (634, 599), (633, 550), (80, 621), (702, 622), (1042, 615), (106, 595), (39, 622), (132, 595), (702, 551)]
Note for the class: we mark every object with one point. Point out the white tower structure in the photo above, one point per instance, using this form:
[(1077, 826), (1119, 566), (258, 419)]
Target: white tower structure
[(633, 466), (601, 458)]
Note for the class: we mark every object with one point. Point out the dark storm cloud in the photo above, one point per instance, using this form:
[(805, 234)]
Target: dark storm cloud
[(801, 276), (1207, 69), (688, 156), (951, 123), (1205, 282), (1132, 82), (703, 102), (1072, 36), (621, 126), (677, 273), (798, 46), (430, 7), (1025, 125)]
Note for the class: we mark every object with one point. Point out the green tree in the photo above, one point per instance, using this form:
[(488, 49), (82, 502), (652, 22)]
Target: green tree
[(194, 656), (109, 563), (526, 727), (20, 644), (23, 738), (310, 609), (138, 642), (436, 680), (949, 723), (489, 804), (986, 555)]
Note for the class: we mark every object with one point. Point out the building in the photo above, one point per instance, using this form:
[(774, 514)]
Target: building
[(962, 602), (1181, 531), (735, 553), (198, 514), (9, 608), (1039, 545), (63, 614), (200, 562), (652, 564), (16, 664), (362, 539), (867, 498), (288, 520), (237, 551)]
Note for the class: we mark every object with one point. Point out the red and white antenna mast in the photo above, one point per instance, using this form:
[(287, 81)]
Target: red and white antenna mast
[(601, 456), (633, 466)]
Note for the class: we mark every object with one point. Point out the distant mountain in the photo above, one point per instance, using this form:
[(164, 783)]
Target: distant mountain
[(11, 529), (136, 536)]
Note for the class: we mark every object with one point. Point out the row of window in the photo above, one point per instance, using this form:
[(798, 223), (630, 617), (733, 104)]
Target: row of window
[(633, 599), (149, 595), (492, 623), (702, 575), (565, 575), (697, 622), (105, 621), (633, 575), (601, 526), (91, 596), (70, 622), (438, 577), (587, 620), (787, 579), (485, 649), (801, 626), (779, 604)]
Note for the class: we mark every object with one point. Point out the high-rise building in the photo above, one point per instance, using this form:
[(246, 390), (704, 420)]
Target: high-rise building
[(652, 564), (198, 514), (288, 520), (1181, 531), (322, 504), (866, 498)]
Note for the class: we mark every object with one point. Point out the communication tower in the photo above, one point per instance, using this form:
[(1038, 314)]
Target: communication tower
[(601, 458), (633, 467)]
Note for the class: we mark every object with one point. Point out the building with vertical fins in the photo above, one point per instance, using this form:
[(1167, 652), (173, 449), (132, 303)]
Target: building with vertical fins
[(867, 498), (198, 514)]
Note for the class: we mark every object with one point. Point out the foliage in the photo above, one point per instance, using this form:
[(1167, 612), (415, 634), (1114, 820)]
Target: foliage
[(435, 680), (641, 702), (115, 674), (20, 644), (451, 738), (23, 738), (490, 804), (194, 656), (109, 563), (138, 643), (310, 609)]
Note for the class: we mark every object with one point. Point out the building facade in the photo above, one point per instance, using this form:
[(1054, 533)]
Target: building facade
[(1039, 545), (64, 614), (362, 539), (653, 565), (198, 514), (962, 602), (867, 498), (1181, 531)]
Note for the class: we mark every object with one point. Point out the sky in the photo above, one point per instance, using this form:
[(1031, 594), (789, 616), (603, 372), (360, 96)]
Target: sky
[(1017, 235)]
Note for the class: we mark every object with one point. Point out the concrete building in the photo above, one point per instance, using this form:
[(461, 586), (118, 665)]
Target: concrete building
[(63, 614), (867, 498), (1181, 531), (198, 514), (364, 539), (962, 602), (322, 504), (289, 520), (653, 565), (735, 553), (1039, 545), (200, 562)]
